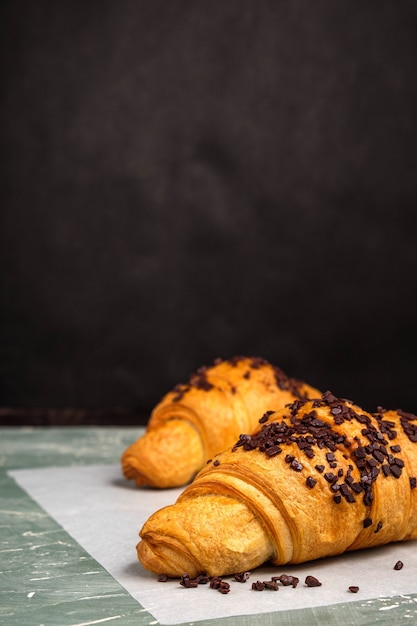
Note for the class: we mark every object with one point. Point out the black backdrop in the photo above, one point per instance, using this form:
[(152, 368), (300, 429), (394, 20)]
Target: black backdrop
[(192, 179)]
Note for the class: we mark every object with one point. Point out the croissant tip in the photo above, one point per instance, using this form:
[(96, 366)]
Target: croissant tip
[(131, 471)]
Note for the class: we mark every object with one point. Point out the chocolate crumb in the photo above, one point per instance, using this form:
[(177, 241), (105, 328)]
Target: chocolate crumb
[(258, 586), (399, 565), (202, 579), (186, 581), (287, 580), (296, 466), (272, 585), (162, 578), (223, 587), (354, 589), (265, 417), (241, 577), (312, 581), (215, 582)]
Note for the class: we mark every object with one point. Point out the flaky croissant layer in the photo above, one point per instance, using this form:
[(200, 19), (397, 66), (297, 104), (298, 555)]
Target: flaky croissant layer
[(199, 419), (318, 478)]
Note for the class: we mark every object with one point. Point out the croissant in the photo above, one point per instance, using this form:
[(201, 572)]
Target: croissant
[(316, 479), (196, 420)]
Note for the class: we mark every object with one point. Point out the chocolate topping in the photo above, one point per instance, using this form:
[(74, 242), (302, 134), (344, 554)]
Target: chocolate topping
[(309, 433)]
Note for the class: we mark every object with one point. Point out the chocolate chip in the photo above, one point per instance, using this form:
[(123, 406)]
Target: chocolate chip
[(378, 527), (186, 581), (202, 579), (241, 577), (287, 580), (258, 586), (162, 578), (399, 565), (413, 482), (311, 482), (296, 466), (386, 469), (217, 583), (271, 585), (367, 522), (395, 470), (265, 417), (312, 581), (273, 451), (353, 589)]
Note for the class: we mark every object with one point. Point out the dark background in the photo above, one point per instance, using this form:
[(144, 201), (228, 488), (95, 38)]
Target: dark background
[(192, 179)]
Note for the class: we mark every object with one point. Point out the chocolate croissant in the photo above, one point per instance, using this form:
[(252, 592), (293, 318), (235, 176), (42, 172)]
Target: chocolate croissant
[(318, 478), (196, 420)]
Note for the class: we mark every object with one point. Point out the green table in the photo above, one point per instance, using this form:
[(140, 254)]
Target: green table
[(48, 579)]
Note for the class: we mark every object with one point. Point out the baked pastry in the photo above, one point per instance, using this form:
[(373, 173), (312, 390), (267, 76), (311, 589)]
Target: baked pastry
[(196, 420), (318, 478)]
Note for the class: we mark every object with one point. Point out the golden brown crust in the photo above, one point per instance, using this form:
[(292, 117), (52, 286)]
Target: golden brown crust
[(316, 479), (219, 403)]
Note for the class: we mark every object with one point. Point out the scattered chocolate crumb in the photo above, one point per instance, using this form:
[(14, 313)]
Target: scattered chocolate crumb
[(186, 581), (354, 589), (271, 585), (287, 580), (224, 587), (399, 565), (258, 586), (378, 527), (407, 422), (162, 578), (199, 379), (296, 465), (265, 417), (311, 581), (215, 582), (241, 577), (202, 579)]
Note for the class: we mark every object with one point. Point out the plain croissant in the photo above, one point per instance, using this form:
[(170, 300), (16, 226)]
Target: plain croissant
[(318, 478), (199, 419)]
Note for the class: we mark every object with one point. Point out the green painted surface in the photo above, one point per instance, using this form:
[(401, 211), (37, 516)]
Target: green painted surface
[(47, 579)]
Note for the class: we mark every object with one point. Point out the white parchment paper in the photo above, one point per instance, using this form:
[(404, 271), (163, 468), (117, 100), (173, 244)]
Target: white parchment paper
[(104, 513)]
